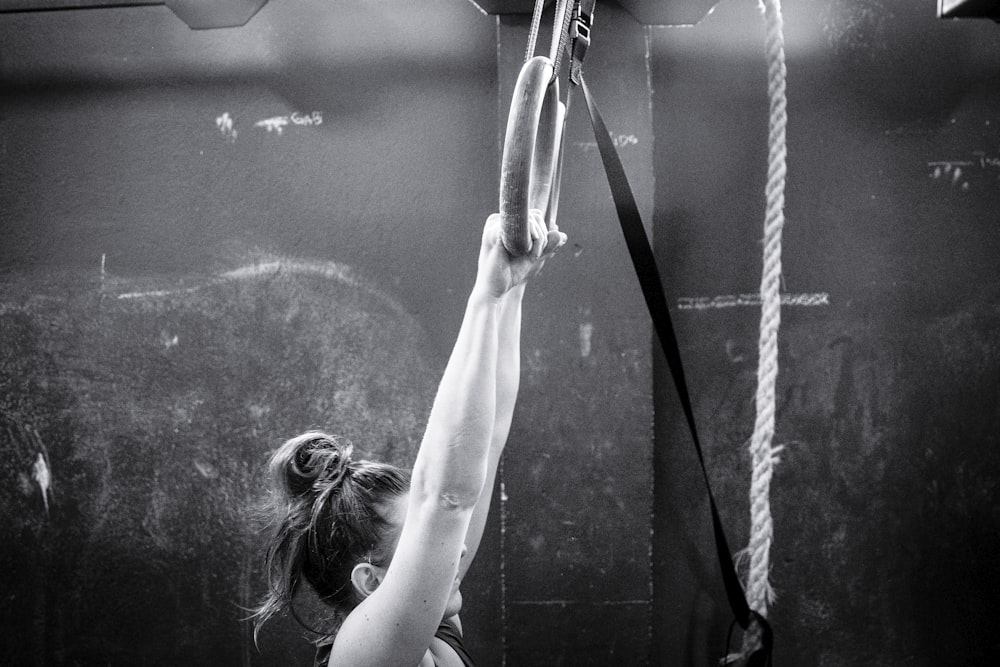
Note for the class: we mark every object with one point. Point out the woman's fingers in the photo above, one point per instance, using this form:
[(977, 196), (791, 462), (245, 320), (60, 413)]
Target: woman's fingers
[(536, 228), (554, 240), (499, 271)]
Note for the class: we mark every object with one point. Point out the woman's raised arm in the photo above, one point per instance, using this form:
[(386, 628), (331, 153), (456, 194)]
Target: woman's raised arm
[(394, 624), (508, 378)]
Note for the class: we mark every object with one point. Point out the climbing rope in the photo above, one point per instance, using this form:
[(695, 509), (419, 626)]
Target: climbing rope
[(758, 587)]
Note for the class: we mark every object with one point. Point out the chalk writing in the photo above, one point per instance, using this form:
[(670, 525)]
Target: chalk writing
[(264, 268), (987, 161), (586, 332), (277, 124), (156, 293), (314, 118), (226, 126), (619, 140), (952, 171), (326, 269), (273, 124), (734, 300), (962, 173), (43, 477)]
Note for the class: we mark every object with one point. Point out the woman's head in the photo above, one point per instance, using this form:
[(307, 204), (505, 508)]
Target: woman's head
[(329, 514)]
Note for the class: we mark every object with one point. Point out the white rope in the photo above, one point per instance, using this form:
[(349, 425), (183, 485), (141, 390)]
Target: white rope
[(758, 588), (759, 591)]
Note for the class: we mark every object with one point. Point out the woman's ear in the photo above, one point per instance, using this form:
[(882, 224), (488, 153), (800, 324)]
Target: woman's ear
[(365, 578)]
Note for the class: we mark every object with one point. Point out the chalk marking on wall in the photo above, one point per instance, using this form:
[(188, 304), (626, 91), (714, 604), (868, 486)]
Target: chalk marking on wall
[(986, 161), (226, 126), (950, 170), (306, 119), (619, 140), (586, 331), (157, 293), (273, 267), (325, 269), (43, 476), (206, 470), (277, 124), (503, 562), (959, 172), (168, 341), (256, 270), (734, 300)]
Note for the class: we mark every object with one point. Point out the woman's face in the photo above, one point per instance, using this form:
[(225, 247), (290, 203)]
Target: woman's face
[(394, 513)]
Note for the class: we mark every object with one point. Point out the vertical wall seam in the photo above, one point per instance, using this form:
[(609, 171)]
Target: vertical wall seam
[(503, 486), (647, 34)]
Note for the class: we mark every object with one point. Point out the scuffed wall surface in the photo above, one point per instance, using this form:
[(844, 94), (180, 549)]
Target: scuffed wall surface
[(213, 240), (885, 503), (579, 477), (135, 423)]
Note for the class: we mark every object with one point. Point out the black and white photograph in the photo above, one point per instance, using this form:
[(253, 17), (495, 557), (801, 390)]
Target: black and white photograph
[(506, 333)]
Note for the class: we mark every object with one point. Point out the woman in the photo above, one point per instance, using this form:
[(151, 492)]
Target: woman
[(387, 549)]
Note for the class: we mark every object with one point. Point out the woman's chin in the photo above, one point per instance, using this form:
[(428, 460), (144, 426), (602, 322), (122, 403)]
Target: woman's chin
[(454, 603)]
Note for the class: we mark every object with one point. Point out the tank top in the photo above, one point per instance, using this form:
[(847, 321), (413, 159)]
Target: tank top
[(446, 632)]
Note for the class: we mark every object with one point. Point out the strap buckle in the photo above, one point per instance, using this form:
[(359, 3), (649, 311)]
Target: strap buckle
[(579, 34)]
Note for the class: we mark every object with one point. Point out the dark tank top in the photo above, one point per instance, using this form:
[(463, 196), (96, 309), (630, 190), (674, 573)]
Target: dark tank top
[(446, 632)]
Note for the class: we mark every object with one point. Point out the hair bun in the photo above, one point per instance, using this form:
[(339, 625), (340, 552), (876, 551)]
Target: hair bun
[(316, 460)]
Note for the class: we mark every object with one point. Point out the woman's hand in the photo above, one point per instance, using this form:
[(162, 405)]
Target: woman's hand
[(499, 271)]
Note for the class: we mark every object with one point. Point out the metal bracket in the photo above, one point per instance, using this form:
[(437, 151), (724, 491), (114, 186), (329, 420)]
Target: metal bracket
[(579, 34), (197, 14)]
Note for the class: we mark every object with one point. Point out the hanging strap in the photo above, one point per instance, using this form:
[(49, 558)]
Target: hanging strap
[(648, 274)]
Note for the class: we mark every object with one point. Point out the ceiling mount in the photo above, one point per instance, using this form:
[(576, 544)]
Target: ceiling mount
[(648, 12), (197, 14)]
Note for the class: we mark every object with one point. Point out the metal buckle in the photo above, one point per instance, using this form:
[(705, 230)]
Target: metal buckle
[(579, 33)]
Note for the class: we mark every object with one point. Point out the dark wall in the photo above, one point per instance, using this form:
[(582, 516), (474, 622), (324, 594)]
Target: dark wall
[(213, 240), (181, 288), (885, 501), (577, 572)]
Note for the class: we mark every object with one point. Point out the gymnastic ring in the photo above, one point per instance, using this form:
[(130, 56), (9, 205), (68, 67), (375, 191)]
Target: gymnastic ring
[(530, 148)]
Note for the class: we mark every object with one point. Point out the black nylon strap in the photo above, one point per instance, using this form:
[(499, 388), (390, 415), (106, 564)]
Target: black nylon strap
[(648, 274)]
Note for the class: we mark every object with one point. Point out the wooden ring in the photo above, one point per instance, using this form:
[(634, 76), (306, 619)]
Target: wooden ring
[(530, 148)]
